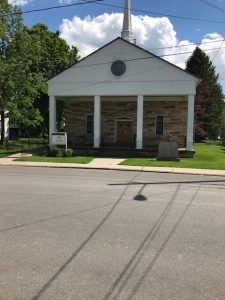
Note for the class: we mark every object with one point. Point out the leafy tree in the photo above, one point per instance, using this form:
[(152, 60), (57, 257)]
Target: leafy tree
[(19, 82), (10, 24), (28, 57), (54, 56), (209, 96), (22, 54)]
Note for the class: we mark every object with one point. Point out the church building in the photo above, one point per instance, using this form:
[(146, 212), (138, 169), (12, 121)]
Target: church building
[(122, 96)]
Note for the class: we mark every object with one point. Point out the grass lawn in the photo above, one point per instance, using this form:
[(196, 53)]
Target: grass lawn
[(20, 146), (208, 156), (74, 159), (7, 150)]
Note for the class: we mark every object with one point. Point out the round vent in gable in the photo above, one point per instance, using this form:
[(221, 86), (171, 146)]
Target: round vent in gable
[(118, 68)]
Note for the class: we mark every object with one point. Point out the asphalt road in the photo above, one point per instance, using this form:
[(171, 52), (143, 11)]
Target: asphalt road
[(88, 234)]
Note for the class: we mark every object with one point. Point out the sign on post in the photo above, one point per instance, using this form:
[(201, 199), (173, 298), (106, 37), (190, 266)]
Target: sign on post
[(59, 138)]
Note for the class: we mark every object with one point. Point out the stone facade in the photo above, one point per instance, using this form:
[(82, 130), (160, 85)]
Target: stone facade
[(76, 121), (174, 113), (175, 122)]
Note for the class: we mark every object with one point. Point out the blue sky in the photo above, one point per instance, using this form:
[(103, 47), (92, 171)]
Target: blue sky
[(152, 31)]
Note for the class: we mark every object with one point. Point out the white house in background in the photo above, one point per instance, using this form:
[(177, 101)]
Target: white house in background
[(124, 96), (6, 127)]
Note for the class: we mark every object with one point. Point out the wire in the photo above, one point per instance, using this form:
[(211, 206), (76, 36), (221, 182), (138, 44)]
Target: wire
[(216, 7), (99, 2), (218, 50), (52, 7), (76, 65), (185, 45), (164, 15), (141, 58)]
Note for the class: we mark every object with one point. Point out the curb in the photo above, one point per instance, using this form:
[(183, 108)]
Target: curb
[(200, 172)]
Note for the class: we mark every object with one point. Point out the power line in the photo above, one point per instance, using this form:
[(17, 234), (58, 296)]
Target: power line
[(140, 58), (162, 14), (186, 45), (126, 60), (52, 7), (212, 5), (218, 50), (99, 2)]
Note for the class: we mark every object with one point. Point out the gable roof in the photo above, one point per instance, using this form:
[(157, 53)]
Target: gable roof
[(134, 45)]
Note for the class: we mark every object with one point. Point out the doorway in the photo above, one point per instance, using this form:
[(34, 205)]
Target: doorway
[(124, 133)]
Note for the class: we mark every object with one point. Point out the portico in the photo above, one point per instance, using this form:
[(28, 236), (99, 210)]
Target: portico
[(125, 121)]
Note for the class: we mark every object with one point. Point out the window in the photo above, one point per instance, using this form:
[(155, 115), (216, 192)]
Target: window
[(90, 124), (159, 125)]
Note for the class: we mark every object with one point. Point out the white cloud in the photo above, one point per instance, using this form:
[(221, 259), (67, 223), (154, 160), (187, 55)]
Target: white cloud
[(215, 51), (19, 2), (90, 33)]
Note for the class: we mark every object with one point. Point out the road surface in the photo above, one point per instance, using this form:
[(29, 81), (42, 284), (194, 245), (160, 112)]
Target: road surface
[(91, 234)]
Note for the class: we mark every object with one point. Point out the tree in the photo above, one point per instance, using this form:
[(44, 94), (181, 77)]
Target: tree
[(54, 56), (19, 83), (22, 54), (10, 24), (209, 96), (28, 57)]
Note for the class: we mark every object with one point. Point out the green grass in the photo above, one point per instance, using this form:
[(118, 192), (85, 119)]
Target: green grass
[(74, 159), (19, 146), (7, 150), (208, 156)]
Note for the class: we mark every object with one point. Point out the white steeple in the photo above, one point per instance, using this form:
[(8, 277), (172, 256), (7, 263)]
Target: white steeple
[(127, 33)]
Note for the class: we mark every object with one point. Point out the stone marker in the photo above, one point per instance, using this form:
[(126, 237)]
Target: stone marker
[(168, 151)]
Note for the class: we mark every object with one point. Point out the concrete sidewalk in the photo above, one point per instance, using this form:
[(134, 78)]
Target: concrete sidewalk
[(107, 164)]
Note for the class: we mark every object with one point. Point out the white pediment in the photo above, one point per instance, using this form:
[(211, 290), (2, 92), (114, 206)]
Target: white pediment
[(145, 74)]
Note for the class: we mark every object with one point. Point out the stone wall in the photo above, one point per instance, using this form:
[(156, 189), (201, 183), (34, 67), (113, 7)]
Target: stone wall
[(174, 112), (175, 122), (76, 121)]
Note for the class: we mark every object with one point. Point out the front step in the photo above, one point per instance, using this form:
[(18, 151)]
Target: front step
[(125, 153)]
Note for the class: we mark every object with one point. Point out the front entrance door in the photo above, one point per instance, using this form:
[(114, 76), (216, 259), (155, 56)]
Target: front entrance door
[(124, 133)]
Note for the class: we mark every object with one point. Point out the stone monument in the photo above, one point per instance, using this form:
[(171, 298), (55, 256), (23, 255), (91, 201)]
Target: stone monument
[(168, 151)]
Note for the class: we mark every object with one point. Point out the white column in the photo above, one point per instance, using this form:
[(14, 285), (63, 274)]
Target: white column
[(190, 122), (97, 121), (139, 137), (52, 116)]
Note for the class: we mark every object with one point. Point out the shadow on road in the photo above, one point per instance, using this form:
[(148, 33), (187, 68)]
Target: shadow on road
[(169, 182), (55, 217), (131, 266), (78, 250), (141, 249)]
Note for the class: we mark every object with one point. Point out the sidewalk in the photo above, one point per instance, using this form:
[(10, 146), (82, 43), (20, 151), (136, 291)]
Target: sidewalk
[(107, 164)]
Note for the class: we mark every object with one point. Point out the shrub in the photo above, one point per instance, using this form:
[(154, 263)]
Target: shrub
[(55, 151), (11, 142), (200, 134), (67, 152)]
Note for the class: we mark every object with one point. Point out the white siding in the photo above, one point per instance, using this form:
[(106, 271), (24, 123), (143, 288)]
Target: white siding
[(145, 75)]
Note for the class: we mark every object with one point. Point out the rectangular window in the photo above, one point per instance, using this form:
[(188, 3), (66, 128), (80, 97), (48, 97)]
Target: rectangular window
[(90, 124), (159, 125)]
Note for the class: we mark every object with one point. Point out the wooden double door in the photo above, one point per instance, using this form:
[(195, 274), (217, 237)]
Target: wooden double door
[(124, 133)]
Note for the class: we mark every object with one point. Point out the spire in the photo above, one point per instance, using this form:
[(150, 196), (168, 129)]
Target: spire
[(127, 33)]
